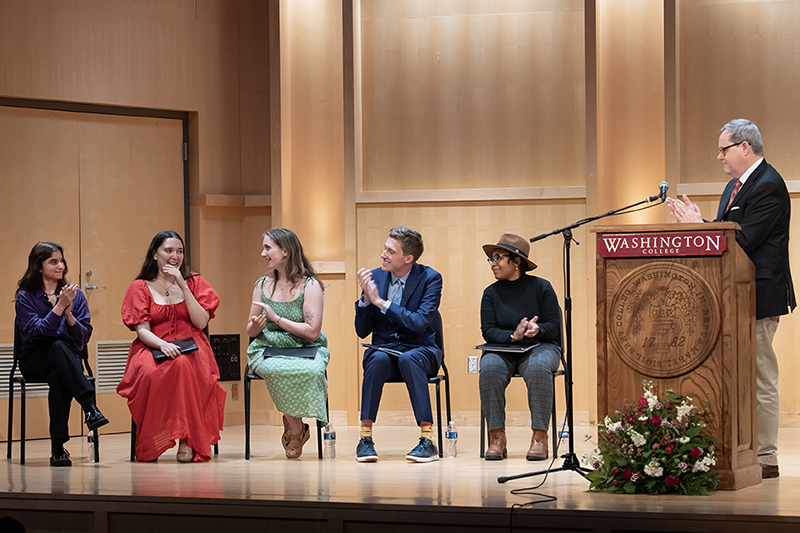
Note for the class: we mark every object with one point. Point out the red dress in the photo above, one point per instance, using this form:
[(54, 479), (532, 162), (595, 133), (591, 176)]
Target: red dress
[(177, 398)]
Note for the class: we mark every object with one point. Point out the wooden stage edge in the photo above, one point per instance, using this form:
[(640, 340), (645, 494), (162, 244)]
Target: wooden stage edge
[(269, 492)]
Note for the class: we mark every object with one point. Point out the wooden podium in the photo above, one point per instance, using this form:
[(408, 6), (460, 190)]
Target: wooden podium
[(676, 305)]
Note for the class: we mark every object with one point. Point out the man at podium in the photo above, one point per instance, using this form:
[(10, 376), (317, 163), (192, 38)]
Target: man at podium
[(757, 199)]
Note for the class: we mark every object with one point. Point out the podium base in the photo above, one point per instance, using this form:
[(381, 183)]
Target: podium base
[(738, 479)]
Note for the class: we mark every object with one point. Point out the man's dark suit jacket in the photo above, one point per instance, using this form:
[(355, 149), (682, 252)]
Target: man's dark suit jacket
[(410, 323), (762, 208)]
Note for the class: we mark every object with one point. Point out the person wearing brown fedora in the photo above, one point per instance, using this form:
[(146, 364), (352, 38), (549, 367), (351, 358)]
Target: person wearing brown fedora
[(520, 311)]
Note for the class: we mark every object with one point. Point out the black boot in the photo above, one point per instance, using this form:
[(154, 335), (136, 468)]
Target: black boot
[(60, 457), (94, 418)]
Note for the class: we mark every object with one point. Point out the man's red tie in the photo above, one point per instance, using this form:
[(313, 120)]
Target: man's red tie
[(733, 194)]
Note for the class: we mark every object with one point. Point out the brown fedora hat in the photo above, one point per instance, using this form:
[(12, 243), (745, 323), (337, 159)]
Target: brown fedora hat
[(514, 244)]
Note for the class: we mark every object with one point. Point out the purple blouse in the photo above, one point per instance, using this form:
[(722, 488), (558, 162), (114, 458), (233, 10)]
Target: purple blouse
[(35, 318)]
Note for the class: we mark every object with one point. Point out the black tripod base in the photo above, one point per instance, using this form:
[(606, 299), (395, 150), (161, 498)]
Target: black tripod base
[(571, 463)]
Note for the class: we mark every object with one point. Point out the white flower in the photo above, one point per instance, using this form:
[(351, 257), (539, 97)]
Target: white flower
[(636, 438), (615, 426), (644, 418), (684, 409), (593, 459), (653, 469), (704, 464), (651, 398), (684, 439)]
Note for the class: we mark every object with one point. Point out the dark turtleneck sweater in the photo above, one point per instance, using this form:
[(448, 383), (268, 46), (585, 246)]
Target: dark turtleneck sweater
[(505, 303)]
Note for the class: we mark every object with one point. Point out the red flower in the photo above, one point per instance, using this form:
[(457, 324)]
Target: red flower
[(672, 481), (656, 420), (614, 469), (614, 483), (696, 452), (668, 449), (642, 402), (626, 473), (670, 405)]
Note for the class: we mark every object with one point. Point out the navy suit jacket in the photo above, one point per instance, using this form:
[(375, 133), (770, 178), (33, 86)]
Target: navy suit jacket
[(762, 208), (411, 323)]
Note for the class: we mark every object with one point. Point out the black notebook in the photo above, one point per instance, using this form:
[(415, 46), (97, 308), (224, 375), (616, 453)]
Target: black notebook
[(510, 348), (309, 352), (396, 353), (186, 345)]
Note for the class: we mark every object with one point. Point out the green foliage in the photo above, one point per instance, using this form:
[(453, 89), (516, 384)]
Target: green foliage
[(654, 447)]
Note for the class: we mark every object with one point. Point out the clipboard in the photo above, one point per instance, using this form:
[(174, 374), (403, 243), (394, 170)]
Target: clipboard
[(307, 352), (186, 345), (396, 353), (507, 348)]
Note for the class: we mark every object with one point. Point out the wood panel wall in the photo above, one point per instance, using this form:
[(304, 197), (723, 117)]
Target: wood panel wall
[(342, 118)]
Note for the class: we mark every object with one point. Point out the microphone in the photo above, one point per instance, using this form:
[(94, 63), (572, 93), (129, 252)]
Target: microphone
[(662, 195), (663, 187)]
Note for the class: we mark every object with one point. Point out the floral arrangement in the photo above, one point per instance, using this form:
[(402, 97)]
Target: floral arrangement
[(653, 447)]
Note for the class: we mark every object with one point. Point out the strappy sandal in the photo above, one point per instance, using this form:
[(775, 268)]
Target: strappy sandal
[(293, 452)]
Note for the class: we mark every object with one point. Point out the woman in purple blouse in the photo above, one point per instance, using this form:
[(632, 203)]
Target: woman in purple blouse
[(54, 325)]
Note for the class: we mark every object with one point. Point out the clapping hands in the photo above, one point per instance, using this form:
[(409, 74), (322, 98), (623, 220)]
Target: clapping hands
[(526, 328)]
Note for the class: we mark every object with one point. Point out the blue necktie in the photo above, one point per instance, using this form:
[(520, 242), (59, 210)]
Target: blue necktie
[(398, 292)]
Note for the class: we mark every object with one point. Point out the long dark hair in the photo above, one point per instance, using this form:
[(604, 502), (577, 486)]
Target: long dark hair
[(32, 278), (150, 266), (297, 264)]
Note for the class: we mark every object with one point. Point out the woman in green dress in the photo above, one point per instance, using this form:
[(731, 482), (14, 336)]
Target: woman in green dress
[(287, 313)]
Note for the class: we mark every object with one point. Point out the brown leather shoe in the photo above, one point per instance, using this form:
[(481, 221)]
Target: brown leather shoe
[(769, 471), (538, 449), (497, 445)]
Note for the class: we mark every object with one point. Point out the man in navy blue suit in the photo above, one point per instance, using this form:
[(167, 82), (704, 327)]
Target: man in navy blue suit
[(757, 199), (398, 303)]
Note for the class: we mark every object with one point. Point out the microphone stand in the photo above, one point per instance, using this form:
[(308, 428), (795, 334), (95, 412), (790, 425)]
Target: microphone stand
[(571, 462)]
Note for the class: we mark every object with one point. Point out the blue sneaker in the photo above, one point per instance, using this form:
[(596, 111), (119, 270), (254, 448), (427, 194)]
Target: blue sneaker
[(424, 452), (365, 451)]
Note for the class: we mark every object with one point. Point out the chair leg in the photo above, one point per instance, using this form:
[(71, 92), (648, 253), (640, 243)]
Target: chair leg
[(10, 415), (22, 415), (216, 448), (133, 441), (96, 446), (247, 414), (555, 424), (319, 424), (483, 434), (319, 439), (439, 419), (95, 431)]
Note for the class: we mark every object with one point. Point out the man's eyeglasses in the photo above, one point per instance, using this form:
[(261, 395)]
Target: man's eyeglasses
[(496, 257), (725, 148)]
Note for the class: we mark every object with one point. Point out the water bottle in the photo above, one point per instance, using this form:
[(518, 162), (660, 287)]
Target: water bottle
[(564, 433), (329, 440), (451, 439), (90, 442)]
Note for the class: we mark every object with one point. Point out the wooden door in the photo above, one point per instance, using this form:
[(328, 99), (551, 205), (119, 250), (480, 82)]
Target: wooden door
[(131, 187), (101, 186)]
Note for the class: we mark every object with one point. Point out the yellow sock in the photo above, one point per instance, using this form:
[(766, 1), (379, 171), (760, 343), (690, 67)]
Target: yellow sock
[(366, 431), (426, 431)]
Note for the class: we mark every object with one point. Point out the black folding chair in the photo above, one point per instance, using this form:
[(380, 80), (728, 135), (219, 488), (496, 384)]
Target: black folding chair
[(13, 378)]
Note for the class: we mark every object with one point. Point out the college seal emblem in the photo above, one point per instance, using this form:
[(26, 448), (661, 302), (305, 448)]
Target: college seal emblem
[(664, 319)]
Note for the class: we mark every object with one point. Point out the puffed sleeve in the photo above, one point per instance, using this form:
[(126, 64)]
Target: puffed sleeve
[(136, 304), (204, 294)]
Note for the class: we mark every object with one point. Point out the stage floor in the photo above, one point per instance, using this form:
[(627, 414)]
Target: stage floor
[(466, 481)]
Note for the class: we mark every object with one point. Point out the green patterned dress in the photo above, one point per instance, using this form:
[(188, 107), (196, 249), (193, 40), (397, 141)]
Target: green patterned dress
[(297, 385)]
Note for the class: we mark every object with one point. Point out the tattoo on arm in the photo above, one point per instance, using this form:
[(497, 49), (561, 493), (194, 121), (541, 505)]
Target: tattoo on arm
[(309, 316)]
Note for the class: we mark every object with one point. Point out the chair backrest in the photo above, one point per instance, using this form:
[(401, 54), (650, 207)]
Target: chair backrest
[(438, 331)]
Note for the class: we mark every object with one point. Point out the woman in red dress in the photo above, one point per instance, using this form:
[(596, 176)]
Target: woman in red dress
[(177, 398)]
